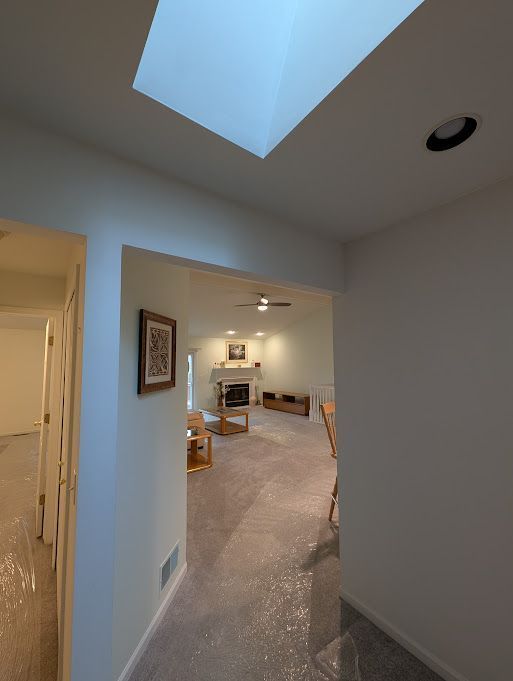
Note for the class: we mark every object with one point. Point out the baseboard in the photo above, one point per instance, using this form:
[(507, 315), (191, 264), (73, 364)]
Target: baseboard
[(413, 647), (141, 646)]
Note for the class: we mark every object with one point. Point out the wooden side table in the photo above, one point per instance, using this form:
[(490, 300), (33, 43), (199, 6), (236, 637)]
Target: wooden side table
[(195, 460)]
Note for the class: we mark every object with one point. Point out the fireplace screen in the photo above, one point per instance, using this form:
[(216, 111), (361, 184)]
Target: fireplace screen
[(237, 395)]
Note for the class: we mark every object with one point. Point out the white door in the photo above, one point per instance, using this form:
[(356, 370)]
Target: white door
[(43, 431), (67, 473)]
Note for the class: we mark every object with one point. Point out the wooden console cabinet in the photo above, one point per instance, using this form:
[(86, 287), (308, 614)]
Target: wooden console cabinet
[(284, 400)]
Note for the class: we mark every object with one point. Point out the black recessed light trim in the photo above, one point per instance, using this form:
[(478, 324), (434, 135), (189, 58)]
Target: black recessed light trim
[(434, 143)]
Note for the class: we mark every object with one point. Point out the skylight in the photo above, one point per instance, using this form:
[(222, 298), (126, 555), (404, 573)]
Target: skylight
[(251, 70)]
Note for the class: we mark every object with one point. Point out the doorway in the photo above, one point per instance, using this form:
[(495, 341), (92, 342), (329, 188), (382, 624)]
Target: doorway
[(273, 554), (39, 342), (260, 547), (266, 484), (190, 379), (29, 638)]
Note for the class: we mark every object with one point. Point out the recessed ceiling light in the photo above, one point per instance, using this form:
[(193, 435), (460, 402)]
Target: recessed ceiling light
[(262, 308), (231, 332), (451, 133), (259, 333)]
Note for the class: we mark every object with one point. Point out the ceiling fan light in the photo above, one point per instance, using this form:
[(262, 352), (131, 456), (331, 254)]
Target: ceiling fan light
[(262, 308), (264, 301)]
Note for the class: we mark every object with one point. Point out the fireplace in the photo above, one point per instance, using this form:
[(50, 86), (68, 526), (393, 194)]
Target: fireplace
[(237, 395), (243, 393)]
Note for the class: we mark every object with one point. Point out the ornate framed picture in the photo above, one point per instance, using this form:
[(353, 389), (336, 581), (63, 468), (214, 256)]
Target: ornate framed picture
[(237, 352), (157, 352)]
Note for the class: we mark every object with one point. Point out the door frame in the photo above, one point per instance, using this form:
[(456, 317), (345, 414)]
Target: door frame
[(44, 427), (67, 491), (54, 439)]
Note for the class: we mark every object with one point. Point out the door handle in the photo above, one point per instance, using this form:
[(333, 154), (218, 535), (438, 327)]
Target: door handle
[(71, 488), (37, 423), (74, 488)]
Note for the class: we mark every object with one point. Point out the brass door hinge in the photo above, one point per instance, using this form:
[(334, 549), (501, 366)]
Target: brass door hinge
[(47, 418), (50, 340), (42, 498)]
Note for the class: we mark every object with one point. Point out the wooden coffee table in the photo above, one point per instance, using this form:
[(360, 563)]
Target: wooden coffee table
[(222, 426), (195, 460)]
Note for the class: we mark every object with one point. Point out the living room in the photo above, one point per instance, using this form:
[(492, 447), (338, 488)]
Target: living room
[(286, 345), (260, 483)]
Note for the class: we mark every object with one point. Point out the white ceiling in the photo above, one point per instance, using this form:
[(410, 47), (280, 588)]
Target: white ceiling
[(355, 165), (20, 252), (212, 312)]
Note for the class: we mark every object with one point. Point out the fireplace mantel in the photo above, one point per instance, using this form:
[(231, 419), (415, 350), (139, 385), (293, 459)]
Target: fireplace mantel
[(236, 372)]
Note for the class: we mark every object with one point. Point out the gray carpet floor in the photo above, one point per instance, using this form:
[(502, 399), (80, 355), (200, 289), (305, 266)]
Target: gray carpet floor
[(260, 598), (28, 601)]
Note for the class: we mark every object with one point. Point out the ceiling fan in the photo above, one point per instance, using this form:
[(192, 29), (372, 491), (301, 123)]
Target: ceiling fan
[(263, 304)]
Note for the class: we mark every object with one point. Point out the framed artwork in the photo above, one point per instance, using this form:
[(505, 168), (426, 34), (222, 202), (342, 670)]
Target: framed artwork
[(157, 352), (237, 352)]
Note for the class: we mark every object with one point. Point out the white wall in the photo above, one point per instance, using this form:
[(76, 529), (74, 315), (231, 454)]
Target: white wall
[(152, 461), (301, 354), (22, 354), (48, 180), (54, 182), (18, 289), (424, 372), (210, 350)]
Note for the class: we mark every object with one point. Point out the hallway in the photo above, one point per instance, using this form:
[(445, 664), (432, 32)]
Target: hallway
[(260, 598), (28, 610)]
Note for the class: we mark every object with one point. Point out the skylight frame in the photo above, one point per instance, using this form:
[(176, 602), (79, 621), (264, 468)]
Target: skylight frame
[(264, 66)]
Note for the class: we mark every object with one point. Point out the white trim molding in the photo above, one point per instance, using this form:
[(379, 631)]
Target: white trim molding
[(143, 643), (429, 659)]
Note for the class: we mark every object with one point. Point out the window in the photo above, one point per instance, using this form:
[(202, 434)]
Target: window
[(190, 380)]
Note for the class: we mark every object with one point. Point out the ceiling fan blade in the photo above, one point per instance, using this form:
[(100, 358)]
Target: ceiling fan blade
[(280, 304), (247, 305)]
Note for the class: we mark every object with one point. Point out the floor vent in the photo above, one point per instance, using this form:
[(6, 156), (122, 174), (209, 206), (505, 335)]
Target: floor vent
[(168, 567)]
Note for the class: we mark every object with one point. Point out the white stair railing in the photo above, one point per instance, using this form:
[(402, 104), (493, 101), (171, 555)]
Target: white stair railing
[(319, 394)]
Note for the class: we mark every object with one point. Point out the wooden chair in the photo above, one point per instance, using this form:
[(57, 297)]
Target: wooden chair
[(328, 414)]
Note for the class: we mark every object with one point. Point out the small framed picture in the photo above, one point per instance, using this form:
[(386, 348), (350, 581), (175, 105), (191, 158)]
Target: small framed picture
[(157, 352), (237, 352)]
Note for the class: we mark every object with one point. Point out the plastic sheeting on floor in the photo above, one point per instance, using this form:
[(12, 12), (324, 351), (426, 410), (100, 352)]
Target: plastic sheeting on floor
[(260, 598), (28, 629), (17, 601), (339, 660)]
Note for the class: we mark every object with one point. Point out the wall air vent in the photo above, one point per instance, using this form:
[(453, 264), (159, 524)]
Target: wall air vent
[(169, 566)]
